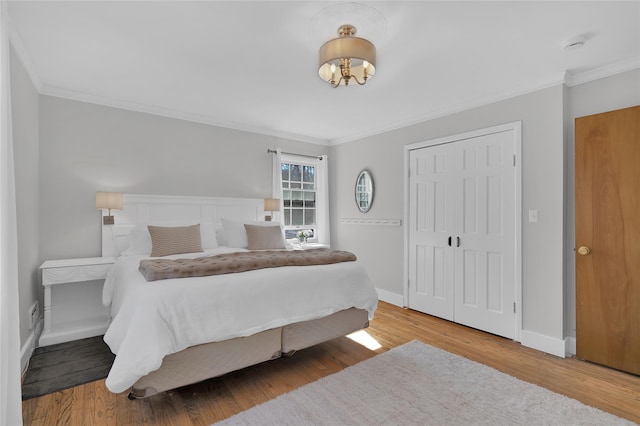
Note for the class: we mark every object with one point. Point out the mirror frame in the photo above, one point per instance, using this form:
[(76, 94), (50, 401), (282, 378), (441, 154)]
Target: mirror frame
[(367, 175)]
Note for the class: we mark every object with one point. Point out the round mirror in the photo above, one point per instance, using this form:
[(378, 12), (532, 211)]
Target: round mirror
[(364, 191)]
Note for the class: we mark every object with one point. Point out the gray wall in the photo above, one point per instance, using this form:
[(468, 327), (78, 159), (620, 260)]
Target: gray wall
[(25, 105), (608, 94), (81, 148), (86, 148), (382, 248)]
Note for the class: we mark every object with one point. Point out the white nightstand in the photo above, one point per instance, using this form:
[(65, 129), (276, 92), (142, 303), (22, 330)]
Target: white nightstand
[(75, 314)]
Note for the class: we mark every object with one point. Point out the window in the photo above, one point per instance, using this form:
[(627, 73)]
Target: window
[(299, 196)]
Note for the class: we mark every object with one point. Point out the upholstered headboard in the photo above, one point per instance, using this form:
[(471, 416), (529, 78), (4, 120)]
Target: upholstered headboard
[(173, 210)]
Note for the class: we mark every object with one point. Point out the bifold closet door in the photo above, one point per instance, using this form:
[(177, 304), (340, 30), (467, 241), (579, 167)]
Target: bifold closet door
[(462, 232), (432, 187), (485, 222)]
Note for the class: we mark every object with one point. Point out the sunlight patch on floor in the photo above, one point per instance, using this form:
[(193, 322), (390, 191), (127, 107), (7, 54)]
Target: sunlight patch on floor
[(365, 339)]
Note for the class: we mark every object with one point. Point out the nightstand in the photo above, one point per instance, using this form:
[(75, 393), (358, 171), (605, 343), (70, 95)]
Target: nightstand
[(74, 311)]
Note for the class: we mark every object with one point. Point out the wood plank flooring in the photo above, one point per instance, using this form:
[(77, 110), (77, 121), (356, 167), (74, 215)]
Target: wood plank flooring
[(207, 402)]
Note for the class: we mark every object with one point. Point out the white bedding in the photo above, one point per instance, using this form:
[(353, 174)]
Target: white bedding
[(158, 318)]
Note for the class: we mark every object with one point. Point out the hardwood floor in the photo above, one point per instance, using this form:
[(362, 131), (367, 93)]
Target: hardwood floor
[(207, 402)]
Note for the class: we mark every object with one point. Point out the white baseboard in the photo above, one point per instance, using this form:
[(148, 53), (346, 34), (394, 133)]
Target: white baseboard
[(389, 297), (550, 345), (544, 343), (30, 345)]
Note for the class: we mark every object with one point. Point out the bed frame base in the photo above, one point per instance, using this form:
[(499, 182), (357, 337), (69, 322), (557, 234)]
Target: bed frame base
[(202, 362)]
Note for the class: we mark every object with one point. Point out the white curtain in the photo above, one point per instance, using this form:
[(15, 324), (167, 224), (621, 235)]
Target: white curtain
[(10, 394), (276, 186), (322, 213)]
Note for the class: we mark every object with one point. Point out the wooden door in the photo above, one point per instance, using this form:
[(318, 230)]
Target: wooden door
[(608, 239)]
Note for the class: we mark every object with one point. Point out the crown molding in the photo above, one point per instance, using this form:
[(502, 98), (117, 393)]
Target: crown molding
[(18, 46), (171, 113), (453, 109), (608, 70), (565, 78), (44, 89)]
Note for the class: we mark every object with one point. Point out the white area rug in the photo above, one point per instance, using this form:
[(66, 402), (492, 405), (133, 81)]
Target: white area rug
[(417, 384)]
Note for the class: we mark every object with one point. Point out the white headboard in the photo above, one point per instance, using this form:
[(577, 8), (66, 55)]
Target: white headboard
[(169, 209)]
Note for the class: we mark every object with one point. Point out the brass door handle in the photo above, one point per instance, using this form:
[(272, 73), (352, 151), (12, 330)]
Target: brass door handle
[(584, 250)]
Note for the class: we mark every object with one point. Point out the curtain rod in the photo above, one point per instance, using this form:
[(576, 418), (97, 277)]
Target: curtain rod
[(273, 151)]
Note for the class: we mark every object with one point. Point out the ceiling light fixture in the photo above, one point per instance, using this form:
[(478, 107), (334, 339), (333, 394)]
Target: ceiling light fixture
[(347, 58)]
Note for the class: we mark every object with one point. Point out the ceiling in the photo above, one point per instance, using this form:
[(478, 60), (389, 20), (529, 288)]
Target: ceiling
[(252, 65)]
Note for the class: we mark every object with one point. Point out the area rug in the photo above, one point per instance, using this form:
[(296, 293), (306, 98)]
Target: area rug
[(62, 366), (417, 384)]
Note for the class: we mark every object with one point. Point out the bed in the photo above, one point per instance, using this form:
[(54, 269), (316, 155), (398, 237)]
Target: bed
[(174, 331)]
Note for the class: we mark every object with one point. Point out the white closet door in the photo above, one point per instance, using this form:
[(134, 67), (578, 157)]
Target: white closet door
[(432, 181), (462, 234), (485, 225)]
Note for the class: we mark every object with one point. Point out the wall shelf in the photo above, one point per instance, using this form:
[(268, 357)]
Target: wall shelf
[(373, 222)]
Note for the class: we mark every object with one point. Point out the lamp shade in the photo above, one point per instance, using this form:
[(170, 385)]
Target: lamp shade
[(357, 49), (271, 204), (109, 200), (347, 58)]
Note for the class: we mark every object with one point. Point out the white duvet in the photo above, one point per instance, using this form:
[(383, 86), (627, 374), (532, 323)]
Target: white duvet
[(158, 318)]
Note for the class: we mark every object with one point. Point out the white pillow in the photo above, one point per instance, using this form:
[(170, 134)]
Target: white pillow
[(236, 234), (140, 239), (220, 237), (208, 235)]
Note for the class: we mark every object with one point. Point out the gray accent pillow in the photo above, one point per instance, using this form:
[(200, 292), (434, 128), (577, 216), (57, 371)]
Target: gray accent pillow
[(264, 237), (166, 241)]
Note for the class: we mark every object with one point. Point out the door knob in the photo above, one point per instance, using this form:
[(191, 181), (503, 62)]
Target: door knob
[(584, 250)]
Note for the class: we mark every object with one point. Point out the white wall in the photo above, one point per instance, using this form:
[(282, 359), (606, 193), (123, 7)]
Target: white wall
[(25, 105), (381, 248), (608, 94), (86, 148)]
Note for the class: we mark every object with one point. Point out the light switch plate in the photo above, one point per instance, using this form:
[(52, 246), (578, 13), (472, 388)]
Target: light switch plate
[(533, 215)]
